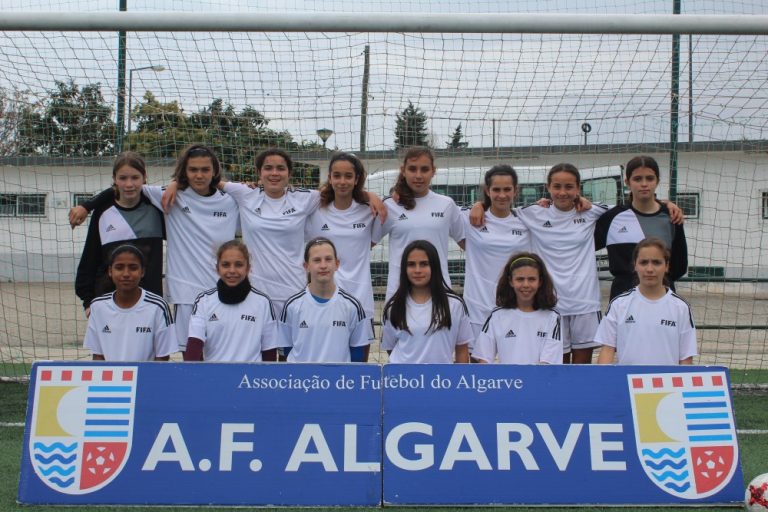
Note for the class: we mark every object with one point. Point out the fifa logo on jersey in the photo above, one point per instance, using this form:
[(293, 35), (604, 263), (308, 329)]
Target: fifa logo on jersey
[(684, 431), (248, 318), (541, 334), (289, 211), (438, 214), (668, 323), (579, 221), (82, 425), (516, 232), (339, 323), (143, 329), (359, 225), (219, 214)]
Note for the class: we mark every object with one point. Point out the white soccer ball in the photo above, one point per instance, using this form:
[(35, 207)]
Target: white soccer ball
[(756, 495)]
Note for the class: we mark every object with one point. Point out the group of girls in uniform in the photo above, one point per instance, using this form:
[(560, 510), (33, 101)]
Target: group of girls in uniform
[(531, 289)]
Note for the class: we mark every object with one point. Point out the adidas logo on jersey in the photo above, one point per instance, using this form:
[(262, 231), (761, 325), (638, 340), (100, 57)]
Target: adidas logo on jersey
[(186, 209), (484, 229), (511, 334), (303, 325), (630, 320), (111, 228), (213, 318), (325, 228), (516, 232), (623, 229), (106, 330), (143, 329), (547, 225), (402, 217)]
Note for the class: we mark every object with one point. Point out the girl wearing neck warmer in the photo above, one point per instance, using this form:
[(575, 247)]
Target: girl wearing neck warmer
[(233, 322)]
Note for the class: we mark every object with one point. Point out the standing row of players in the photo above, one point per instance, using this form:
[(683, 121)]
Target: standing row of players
[(275, 219)]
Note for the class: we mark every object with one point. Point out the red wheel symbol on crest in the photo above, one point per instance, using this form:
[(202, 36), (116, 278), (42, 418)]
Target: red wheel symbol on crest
[(100, 461), (711, 466)]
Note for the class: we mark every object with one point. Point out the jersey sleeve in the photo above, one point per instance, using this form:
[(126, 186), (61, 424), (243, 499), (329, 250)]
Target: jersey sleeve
[(314, 201), (270, 336), (361, 333), (166, 342), (678, 266), (456, 229), (464, 333), (377, 230), (388, 336), (606, 331), (90, 262), (101, 200), (485, 345), (285, 330), (391, 218), (597, 211), (552, 350), (238, 191), (197, 322), (687, 335), (155, 195), (601, 231), (92, 341)]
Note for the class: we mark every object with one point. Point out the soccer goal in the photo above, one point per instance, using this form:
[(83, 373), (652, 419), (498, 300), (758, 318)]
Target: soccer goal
[(592, 83)]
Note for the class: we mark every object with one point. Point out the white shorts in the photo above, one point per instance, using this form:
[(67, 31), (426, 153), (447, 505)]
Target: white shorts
[(182, 315), (578, 331)]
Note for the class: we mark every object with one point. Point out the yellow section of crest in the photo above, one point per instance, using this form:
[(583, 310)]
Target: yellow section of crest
[(646, 405), (47, 411)]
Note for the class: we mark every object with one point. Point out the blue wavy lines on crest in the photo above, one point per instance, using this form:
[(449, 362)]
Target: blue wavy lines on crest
[(677, 477), (679, 488), (55, 458), (55, 446), (62, 483), (58, 469), (665, 463), (664, 452)]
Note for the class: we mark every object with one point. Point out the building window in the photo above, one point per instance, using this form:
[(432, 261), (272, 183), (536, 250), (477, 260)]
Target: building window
[(765, 205), (22, 205), (689, 203), (79, 198)]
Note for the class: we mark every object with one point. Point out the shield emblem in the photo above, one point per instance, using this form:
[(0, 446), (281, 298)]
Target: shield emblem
[(684, 431), (82, 425)]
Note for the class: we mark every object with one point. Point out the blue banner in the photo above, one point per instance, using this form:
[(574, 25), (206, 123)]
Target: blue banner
[(496, 434), (343, 435)]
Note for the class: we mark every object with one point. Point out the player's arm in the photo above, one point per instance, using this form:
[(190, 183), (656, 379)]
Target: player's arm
[(194, 350), (377, 207), (78, 214), (98, 357), (163, 358), (462, 353), (607, 355), (687, 360)]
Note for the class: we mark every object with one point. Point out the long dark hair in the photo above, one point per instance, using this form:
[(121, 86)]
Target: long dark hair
[(132, 160), (545, 298), (496, 170), (327, 194), (639, 162), (395, 308), (195, 151), (407, 198)]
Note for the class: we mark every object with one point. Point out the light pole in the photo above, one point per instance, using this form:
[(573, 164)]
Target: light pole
[(156, 69), (324, 134)]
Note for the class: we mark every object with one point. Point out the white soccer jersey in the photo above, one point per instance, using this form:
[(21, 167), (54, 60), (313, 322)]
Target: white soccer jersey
[(565, 241), (488, 249), (645, 331), (423, 345), (196, 227), (519, 337), (323, 332), (435, 218), (273, 230), (139, 333), (351, 231), (234, 332)]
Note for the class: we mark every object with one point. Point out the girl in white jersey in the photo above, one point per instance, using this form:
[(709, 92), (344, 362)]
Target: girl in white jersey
[(648, 324), (323, 322), (273, 220), (488, 246), (200, 219), (419, 214), (345, 218), (524, 328), (233, 322), (424, 321), (129, 324)]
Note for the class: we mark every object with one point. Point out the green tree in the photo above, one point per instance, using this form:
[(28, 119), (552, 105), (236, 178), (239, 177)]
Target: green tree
[(72, 121), (457, 139), (411, 127)]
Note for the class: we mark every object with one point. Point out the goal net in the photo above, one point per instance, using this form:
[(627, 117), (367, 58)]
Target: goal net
[(696, 103)]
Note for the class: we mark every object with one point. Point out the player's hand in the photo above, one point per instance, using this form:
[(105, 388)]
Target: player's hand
[(582, 204), (77, 215), (544, 202), (169, 196), (675, 213), (377, 207), (88, 312), (477, 215), (251, 184)]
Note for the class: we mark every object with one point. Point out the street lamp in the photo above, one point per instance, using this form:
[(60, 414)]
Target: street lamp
[(156, 69), (324, 134)]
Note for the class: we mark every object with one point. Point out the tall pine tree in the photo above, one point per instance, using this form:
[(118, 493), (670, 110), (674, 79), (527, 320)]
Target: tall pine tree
[(457, 139), (411, 128)]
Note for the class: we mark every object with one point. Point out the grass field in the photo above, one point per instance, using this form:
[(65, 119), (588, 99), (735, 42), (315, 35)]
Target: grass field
[(751, 414)]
